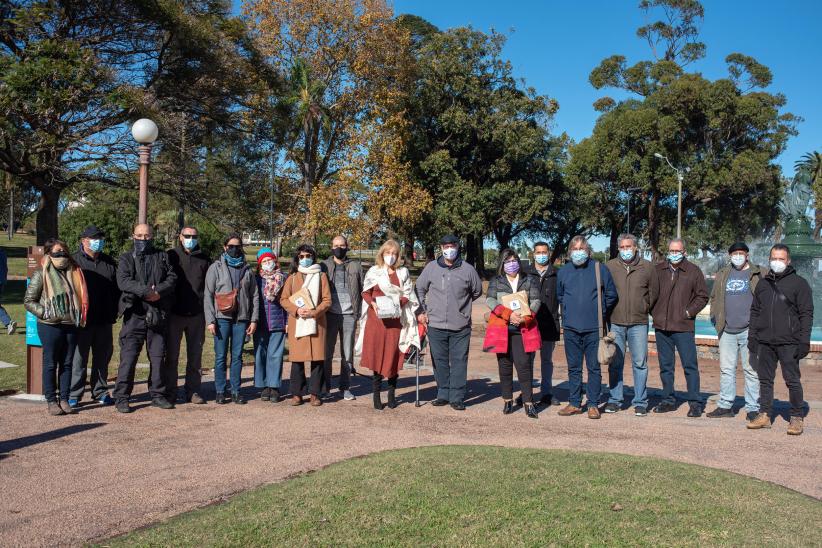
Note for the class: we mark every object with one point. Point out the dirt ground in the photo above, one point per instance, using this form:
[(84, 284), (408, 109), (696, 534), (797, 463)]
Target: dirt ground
[(67, 480)]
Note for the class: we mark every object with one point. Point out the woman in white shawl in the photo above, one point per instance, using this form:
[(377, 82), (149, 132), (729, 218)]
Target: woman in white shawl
[(388, 326)]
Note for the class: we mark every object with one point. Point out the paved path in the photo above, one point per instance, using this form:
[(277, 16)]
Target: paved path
[(67, 480)]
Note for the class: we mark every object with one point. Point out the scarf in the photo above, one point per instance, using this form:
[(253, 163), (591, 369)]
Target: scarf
[(273, 284), (231, 261), (409, 334), (65, 293), (311, 281)]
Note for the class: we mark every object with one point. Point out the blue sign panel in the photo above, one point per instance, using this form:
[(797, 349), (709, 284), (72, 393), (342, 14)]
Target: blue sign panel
[(32, 337)]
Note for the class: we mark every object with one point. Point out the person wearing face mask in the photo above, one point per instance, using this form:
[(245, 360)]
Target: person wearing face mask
[(232, 311), (345, 277), (683, 293), (512, 335), (731, 299), (57, 296), (306, 324), (637, 287), (96, 338), (383, 341), (545, 278), (190, 264), (446, 289), (5, 319), (146, 281), (577, 294), (269, 339), (780, 333)]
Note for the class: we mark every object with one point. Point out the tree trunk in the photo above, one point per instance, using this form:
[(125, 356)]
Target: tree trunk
[(408, 249), (503, 236), (480, 264), (613, 246), (47, 213), (653, 225), (471, 250)]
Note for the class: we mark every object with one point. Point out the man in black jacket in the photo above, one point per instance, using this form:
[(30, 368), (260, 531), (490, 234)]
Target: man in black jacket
[(190, 264), (147, 281), (547, 317), (780, 332), (100, 272)]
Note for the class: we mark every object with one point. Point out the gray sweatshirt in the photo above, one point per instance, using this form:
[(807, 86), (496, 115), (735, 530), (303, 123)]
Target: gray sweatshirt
[(446, 293)]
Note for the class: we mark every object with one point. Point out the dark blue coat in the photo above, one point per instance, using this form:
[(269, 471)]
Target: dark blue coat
[(272, 316), (577, 294)]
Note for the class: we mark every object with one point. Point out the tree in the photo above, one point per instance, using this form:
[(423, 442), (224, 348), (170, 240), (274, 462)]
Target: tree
[(727, 133), (811, 164)]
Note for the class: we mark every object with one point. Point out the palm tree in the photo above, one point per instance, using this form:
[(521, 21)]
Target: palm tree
[(811, 164)]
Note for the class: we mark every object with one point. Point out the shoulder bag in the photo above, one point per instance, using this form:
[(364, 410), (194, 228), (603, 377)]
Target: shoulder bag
[(607, 347)]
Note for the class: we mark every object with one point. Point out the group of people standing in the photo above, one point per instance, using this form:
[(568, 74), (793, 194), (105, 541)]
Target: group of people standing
[(763, 317)]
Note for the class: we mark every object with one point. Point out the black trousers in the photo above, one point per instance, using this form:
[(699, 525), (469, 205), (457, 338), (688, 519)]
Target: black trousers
[(516, 357), (162, 378), (97, 341), (194, 329), (765, 362), (315, 381)]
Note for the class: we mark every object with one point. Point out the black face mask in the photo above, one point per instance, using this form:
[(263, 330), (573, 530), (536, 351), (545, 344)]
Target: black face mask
[(142, 246), (340, 252), (234, 251)]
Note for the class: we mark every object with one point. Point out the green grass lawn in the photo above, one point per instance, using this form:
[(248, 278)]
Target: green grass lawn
[(450, 496)]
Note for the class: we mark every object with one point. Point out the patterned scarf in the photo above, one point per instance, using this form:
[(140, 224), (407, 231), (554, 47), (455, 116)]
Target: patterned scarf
[(65, 293), (273, 284)]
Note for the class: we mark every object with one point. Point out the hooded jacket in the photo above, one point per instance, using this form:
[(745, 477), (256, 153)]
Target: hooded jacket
[(782, 319)]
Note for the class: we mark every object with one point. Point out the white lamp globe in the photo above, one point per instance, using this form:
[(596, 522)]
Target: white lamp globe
[(144, 131)]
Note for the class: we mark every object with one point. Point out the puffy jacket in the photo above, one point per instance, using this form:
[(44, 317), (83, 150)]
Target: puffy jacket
[(354, 279), (786, 319), (548, 313), (137, 274), (34, 301), (717, 299), (272, 314), (577, 293), (682, 295), (218, 280), (190, 269), (101, 282), (637, 287)]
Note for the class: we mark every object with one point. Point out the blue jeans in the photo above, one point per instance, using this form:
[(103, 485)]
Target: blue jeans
[(268, 358), (449, 352), (684, 343), (59, 343), (733, 346), (229, 333), (637, 338), (4, 316), (579, 345)]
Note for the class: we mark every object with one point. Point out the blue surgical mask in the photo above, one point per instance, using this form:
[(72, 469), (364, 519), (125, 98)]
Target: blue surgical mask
[(626, 255), (306, 262), (738, 260), (96, 245), (450, 253), (675, 258), (579, 256), (190, 243), (541, 260)]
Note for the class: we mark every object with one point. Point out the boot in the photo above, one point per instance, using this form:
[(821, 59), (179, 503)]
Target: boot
[(392, 387), (762, 420), (376, 385), (55, 410), (795, 427)]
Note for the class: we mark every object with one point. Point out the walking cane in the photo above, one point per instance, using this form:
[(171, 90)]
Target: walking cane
[(419, 351)]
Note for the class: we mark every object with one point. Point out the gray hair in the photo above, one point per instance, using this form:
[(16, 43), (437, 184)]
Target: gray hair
[(580, 239), (627, 236), (678, 240)]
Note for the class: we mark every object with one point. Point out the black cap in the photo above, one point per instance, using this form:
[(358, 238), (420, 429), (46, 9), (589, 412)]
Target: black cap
[(92, 231), (738, 246), (449, 239)]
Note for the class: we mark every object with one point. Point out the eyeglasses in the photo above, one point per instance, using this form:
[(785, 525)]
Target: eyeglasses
[(188, 236)]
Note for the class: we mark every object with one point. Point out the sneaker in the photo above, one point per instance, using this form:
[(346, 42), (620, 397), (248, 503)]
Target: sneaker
[(105, 399), (640, 411), (720, 413), (569, 410), (664, 408), (439, 402), (236, 397), (220, 399), (795, 427), (751, 415), (11, 327), (123, 407), (347, 395), (162, 403), (55, 410), (458, 406), (762, 420), (274, 396), (611, 408), (695, 411), (74, 404), (265, 395), (196, 399)]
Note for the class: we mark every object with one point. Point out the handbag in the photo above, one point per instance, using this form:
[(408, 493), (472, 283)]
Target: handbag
[(607, 347), (226, 303)]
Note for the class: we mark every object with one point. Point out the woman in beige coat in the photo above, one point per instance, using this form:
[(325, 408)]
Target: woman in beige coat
[(306, 322)]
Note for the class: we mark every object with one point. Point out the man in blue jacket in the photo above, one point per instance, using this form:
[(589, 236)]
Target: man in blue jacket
[(577, 295), (10, 324)]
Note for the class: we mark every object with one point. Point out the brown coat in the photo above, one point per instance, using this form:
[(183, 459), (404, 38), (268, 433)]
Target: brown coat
[(682, 295), (312, 348)]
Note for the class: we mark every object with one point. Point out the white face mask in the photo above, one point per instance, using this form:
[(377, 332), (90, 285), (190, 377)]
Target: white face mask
[(738, 260), (450, 253), (778, 266), (389, 259), (269, 266)]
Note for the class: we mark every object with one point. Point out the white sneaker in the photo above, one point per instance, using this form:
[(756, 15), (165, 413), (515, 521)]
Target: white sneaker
[(347, 395), (12, 327)]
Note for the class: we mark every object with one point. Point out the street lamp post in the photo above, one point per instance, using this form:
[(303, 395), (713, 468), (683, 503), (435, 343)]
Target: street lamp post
[(679, 177), (144, 132), (271, 204)]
